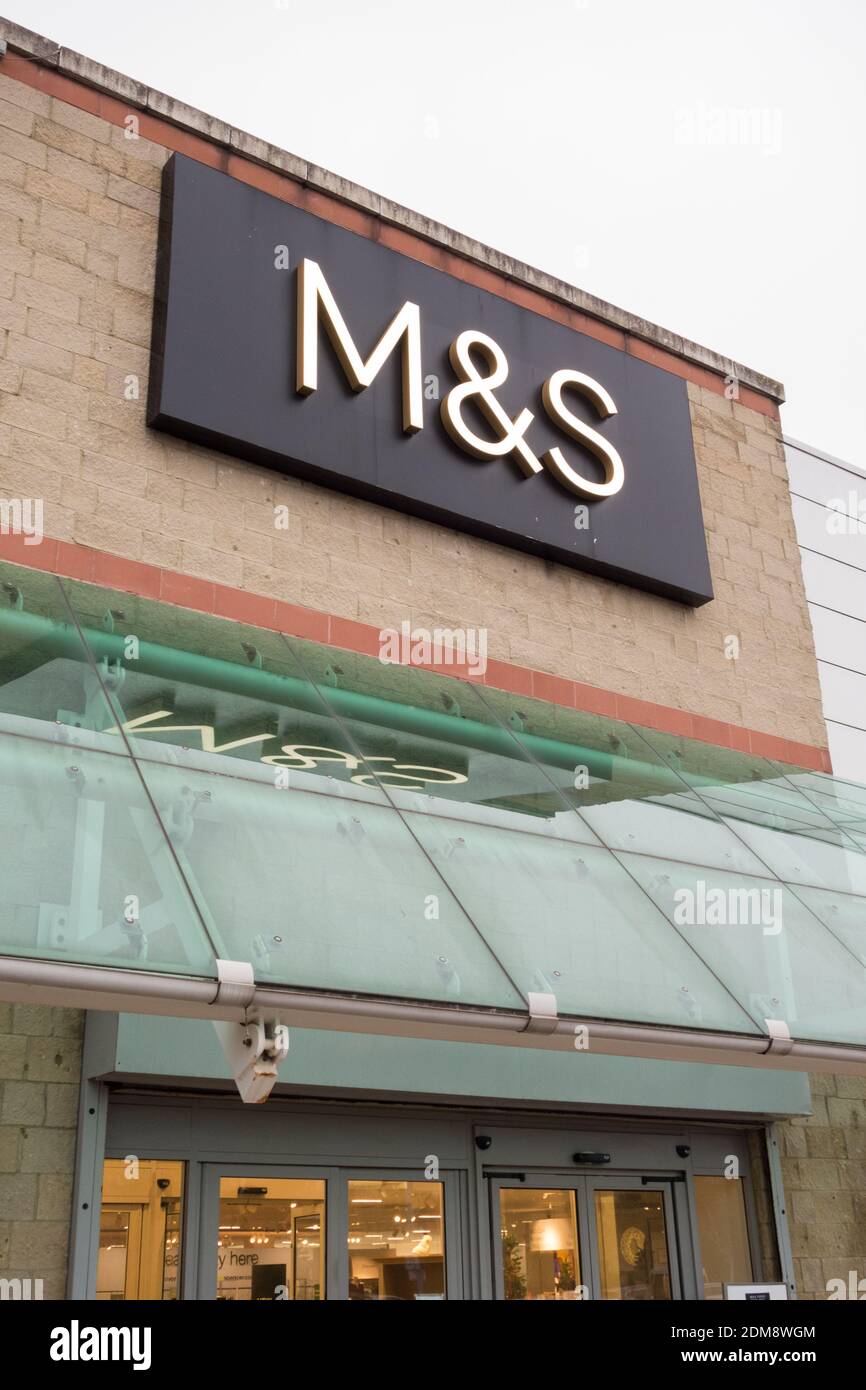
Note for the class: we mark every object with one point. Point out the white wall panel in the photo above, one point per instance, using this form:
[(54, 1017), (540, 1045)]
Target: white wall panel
[(847, 751), (819, 529), (844, 695), (833, 558), (838, 639), (820, 480), (834, 585)]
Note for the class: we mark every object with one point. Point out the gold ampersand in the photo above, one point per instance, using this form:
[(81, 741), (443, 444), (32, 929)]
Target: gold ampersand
[(472, 383)]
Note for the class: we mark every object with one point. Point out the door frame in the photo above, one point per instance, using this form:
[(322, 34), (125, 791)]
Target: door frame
[(208, 1225), (529, 1182), (132, 1267), (677, 1233)]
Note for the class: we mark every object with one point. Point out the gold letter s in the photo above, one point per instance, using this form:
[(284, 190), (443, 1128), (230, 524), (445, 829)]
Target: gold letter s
[(551, 394)]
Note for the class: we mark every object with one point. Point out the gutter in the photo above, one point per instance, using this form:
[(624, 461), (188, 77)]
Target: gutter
[(57, 983)]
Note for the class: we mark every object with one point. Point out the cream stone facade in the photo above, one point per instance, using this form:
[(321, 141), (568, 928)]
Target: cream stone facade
[(79, 205)]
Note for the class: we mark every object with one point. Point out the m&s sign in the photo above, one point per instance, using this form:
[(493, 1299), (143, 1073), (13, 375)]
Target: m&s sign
[(284, 339)]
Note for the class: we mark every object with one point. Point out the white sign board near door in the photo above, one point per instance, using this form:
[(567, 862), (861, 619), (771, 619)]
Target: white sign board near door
[(756, 1293)]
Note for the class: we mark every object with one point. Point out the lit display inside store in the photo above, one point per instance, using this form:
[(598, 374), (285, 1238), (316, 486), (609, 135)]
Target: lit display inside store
[(271, 1239), (396, 1240)]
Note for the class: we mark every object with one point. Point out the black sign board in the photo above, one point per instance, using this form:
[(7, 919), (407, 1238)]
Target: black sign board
[(227, 368)]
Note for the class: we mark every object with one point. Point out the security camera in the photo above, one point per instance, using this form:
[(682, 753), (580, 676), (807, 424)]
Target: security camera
[(683, 1150), (483, 1141)]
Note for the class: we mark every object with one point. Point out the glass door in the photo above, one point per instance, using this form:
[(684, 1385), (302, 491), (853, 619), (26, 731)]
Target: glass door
[(118, 1263), (539, 1233), (140, 1229), (634, 1239), (304, 1234), (403, 1236), (264, 1234), (572, 1238)]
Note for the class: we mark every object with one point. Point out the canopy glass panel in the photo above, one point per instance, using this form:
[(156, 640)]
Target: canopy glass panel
[(83, 852), (180, 788)]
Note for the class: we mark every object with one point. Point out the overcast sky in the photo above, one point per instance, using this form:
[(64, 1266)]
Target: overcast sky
[(698, 163)]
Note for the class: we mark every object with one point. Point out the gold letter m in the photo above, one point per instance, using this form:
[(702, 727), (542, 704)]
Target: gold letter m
[(314, 297)]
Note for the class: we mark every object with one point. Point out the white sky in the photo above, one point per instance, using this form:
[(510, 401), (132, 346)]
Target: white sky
[(582, 136)]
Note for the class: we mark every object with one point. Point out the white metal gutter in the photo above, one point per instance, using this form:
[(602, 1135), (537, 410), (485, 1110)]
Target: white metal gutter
[(138, 991)]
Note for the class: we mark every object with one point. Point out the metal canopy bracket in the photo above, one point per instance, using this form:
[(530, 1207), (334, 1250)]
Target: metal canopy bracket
[(254, 1050), (543, 1013), (236, 984), (781, 1043), (255, 1047)]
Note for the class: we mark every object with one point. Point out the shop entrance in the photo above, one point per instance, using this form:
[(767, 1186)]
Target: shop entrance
[(617, 1237), (304, 1201)]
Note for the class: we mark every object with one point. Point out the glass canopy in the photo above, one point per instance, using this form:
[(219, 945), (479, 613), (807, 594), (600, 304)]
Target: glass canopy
[(180, 789)]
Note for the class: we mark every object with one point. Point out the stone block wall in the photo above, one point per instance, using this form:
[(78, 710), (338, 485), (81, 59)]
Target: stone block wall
[(824, 1173), (40, 1071)]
